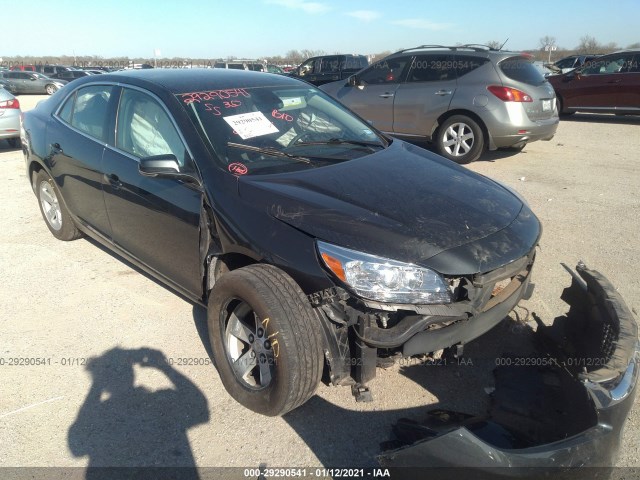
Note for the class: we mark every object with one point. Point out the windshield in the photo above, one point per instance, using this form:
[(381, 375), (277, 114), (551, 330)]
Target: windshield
[(275, 129)]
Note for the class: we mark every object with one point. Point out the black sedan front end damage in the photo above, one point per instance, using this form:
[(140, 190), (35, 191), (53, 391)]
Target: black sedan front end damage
[(560, 407)]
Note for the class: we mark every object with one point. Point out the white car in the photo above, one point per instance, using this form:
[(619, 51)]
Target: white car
[(9, 118)]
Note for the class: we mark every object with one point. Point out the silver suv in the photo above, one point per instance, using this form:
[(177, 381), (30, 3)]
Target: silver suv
[(461, 98)]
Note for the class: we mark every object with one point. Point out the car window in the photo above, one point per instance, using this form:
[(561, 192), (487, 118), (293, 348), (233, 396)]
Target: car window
[(67, 109), (464, 64), (354, 63), (310, 66), (145, 129), (330, 65), (521, 69), (633, 66), (431, 68), (385, 71), (90, 110), (566, 62), (608, 65)]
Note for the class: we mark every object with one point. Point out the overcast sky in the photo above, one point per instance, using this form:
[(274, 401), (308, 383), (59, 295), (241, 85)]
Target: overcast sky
[(257, 28)]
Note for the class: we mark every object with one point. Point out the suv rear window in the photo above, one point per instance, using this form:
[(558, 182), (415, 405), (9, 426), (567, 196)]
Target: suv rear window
[(521, 69)]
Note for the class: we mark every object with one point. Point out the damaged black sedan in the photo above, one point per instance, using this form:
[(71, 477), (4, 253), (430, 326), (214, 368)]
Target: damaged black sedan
[(316, 243)]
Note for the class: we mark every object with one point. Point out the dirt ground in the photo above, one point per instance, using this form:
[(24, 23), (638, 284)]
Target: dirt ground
[(89, 318)]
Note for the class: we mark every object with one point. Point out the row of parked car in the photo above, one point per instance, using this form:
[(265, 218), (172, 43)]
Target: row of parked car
[(462, 99), (467, 98)]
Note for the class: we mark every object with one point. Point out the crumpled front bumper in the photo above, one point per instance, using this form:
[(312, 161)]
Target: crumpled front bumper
[(561, 408)]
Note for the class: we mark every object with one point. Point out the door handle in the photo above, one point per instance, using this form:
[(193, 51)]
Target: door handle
[(113, 180), (442, 93), (386, 95), (615, 81)]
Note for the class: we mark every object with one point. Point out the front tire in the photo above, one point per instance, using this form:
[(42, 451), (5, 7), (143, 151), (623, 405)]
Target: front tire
[(460, 139), (266, 341), (50, 89), (53, 210)]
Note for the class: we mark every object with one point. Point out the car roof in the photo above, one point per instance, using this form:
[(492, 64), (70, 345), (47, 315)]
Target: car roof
[(179, 81), (469, 49)]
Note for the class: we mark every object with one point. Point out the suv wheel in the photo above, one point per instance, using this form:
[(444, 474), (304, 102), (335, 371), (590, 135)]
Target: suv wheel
[(460, 139), (265, 338), (53, 210)]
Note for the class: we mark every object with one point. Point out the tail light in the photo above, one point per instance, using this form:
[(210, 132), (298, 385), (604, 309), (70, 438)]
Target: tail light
[(507, 94), (13, 103)]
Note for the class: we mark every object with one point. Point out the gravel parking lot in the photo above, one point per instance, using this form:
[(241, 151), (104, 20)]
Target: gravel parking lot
[(87, 315)]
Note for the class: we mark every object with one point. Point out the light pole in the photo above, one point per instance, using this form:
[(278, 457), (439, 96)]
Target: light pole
[(550, 48)]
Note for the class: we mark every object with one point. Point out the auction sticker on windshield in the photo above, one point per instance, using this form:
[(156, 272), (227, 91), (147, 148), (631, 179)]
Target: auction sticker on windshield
[(249, 125)]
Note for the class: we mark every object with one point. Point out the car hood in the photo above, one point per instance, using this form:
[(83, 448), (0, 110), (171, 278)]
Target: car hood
[(403, 203)]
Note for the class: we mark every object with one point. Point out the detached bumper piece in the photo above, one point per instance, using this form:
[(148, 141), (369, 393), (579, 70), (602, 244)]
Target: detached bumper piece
[(562, 410)]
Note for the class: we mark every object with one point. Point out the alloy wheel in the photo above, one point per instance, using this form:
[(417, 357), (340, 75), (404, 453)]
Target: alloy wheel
[(249, 348), (458, 139), (50, 205)]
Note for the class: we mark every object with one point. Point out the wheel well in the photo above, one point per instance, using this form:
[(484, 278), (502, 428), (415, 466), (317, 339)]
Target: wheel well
[(443, 118), (34, 167)]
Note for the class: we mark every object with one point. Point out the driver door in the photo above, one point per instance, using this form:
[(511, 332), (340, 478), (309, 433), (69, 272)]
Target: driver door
[(155, 220)]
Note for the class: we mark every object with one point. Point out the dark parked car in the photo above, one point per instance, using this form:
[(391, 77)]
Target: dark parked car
[(462, 98), (10, 87), (53, 70), (608, 84), (572, 62), (329, 68), (301, 228), (71, 75), (32, 82)]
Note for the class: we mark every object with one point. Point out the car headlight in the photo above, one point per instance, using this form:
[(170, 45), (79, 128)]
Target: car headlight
[(382, 279)]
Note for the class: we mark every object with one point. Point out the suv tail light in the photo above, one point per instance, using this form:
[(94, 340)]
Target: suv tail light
[(507, 94), (13, 103)]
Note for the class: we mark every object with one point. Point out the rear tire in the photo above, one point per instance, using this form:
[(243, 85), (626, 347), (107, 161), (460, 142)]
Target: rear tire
[(460, 139), (266, 340), (54, 212), (13, 142), (560, 107)]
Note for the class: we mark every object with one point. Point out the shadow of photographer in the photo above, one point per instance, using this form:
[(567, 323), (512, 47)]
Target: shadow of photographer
[(124, 425)]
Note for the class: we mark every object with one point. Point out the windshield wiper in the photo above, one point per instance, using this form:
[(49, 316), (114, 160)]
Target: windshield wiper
[(268, 151), (340, 141)]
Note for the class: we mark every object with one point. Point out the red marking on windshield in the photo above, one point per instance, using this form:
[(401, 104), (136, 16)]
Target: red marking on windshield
[(214, 95), (238, 168), (281, 116)]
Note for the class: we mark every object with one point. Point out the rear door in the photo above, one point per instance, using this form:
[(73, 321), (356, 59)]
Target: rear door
[(76, 139), (156, 220), (425, 95), (373, 99)]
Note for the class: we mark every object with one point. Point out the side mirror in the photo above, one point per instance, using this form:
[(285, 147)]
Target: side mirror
[(166, 166), (33, 79), (354, 81)]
